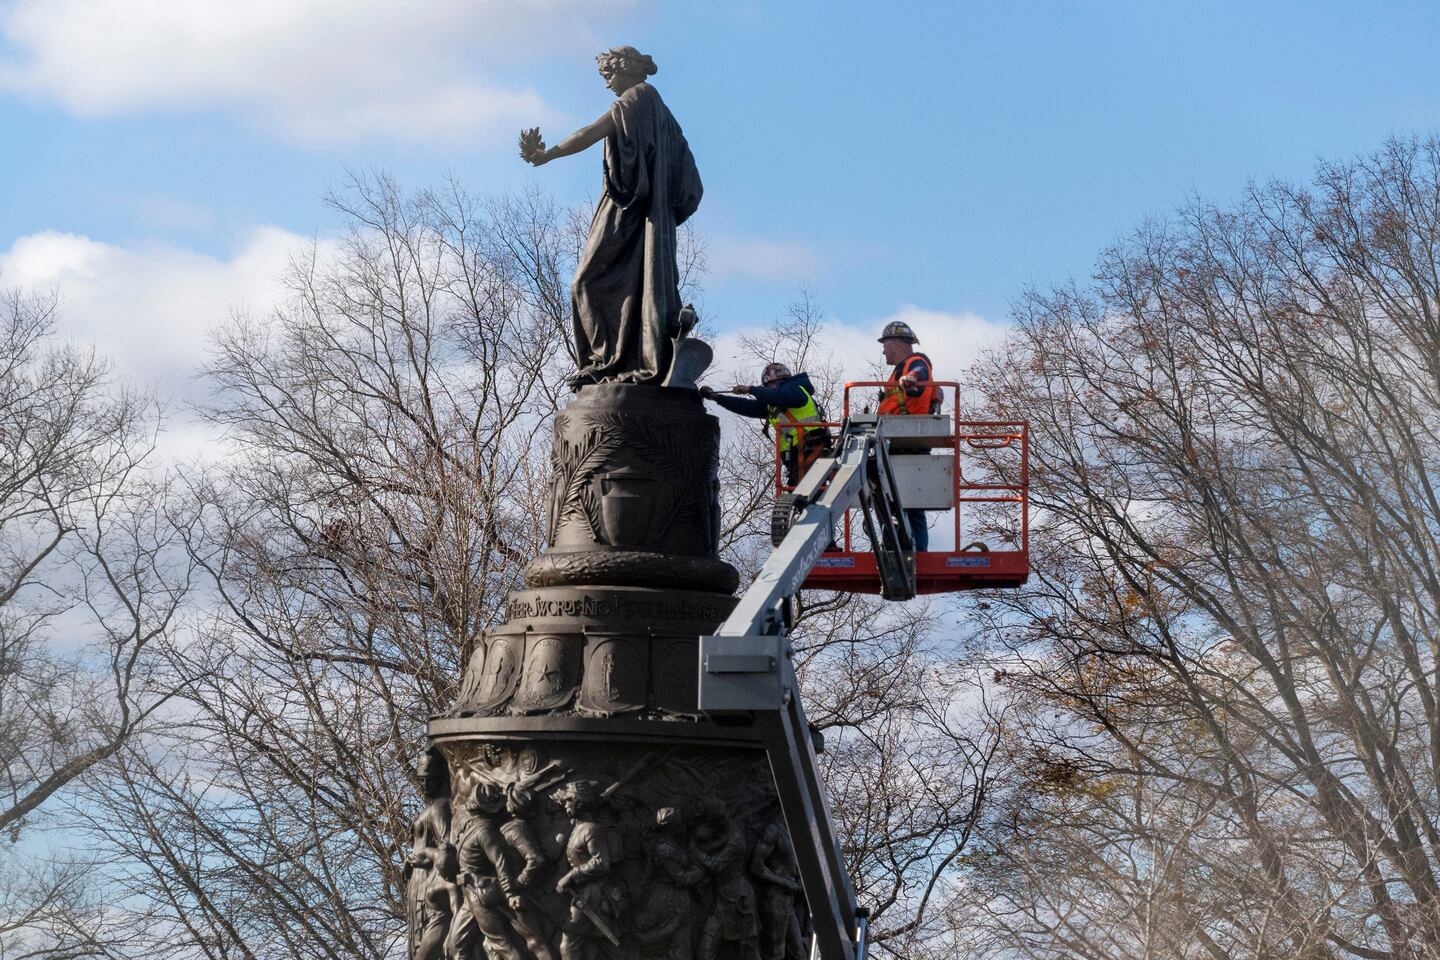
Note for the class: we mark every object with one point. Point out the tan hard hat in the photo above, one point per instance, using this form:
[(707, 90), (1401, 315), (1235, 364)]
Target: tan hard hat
[(898, 330)]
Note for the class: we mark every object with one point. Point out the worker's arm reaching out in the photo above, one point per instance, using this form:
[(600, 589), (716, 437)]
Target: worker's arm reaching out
[(745, 406), (784, 395), (757, 404)]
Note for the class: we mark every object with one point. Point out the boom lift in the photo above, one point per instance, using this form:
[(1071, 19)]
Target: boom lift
[(746, 669)]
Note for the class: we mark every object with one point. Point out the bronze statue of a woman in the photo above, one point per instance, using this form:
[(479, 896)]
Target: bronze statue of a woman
[(626, 296)]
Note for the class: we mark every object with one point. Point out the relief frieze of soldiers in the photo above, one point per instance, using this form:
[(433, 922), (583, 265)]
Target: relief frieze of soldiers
[(675, 854)]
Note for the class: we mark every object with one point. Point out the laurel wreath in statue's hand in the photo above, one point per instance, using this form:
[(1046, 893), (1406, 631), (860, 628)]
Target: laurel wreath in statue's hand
[(532, 147)]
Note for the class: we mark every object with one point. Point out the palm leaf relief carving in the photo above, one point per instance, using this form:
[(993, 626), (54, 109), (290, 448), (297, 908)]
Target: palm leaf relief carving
[(575, 466), (675, 461)]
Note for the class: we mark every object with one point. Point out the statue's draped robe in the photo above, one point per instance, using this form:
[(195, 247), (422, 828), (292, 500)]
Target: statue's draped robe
[(626, 291)]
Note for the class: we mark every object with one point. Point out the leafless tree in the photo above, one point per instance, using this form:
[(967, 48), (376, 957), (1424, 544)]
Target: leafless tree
[(389, 427), (384, 490), (91, 588), (1228, 660)]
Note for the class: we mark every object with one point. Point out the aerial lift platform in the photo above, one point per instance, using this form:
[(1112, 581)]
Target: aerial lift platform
[(876, 469)]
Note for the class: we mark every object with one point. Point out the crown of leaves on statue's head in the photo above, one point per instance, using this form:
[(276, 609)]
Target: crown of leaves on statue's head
[(626, 59)]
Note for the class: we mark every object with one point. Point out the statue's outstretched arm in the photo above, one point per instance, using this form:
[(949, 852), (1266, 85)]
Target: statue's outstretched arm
[(533, 149)]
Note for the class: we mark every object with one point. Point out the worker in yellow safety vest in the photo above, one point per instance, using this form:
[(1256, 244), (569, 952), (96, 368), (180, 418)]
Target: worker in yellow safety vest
[(786, 402)]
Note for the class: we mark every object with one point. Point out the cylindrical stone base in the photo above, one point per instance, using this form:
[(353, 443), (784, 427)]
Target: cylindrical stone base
[(591, 810), (635, 497)]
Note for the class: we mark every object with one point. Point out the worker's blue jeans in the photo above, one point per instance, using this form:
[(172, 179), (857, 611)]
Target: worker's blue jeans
[(919, 529)]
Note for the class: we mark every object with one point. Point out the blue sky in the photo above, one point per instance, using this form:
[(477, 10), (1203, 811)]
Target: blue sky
[(160, 158)]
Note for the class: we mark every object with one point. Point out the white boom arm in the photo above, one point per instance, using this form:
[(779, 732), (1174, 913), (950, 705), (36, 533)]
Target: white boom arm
[(746, 668)]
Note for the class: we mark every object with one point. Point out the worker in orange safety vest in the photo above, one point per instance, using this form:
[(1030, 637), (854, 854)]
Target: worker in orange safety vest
[(910, 390)]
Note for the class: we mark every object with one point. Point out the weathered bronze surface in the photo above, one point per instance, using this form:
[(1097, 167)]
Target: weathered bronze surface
[(592, 651), (596, 813), (635, 498), (605, 845), (430, 901), (626, 294), (578, 805)]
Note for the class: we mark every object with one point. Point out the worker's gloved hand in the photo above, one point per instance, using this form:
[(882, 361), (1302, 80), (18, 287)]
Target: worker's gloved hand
[(707, 392), (740, 388)]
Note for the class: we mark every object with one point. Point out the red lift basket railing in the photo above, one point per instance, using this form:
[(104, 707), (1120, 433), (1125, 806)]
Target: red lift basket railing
[(990, 447)]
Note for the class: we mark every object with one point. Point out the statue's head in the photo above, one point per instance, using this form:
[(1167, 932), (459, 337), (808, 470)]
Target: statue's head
[(578, 797), (623, 67), (710, 820), (489, 798), (758, 800), (519, 801), (434, 775)]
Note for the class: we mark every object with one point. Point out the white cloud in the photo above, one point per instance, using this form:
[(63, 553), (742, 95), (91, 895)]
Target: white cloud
[(150, 308), (952, 341), (753, 258), (314, 71)]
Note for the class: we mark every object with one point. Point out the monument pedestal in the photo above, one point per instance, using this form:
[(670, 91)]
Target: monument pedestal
[(593, 811)]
